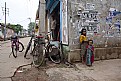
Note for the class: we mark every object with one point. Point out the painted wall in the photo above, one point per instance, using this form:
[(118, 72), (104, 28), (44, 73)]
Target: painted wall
[(103, 39), (103, 36)]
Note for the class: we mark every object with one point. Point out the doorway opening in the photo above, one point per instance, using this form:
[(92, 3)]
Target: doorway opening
[(55, 23)]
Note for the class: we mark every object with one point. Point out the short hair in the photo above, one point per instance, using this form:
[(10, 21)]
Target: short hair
[(90, 40)]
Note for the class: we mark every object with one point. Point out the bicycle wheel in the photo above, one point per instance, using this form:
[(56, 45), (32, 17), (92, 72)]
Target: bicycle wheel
[(55, 54), (27, 49), (21, 47), (14, 51), (38, 55)]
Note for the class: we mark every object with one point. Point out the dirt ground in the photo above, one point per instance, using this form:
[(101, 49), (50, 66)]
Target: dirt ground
[(31, 73), (106, 70)]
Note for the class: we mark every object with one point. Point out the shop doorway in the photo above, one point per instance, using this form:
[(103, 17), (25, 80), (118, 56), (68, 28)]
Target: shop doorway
[(55, 23)]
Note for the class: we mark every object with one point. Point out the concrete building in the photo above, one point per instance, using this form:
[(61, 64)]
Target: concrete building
[(24, 32), (69, 18), (1, 34), (9, 31)]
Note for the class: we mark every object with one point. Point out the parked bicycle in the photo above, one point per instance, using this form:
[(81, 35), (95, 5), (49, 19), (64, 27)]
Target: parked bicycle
[(16, 45), (46, 49), (29, 46)]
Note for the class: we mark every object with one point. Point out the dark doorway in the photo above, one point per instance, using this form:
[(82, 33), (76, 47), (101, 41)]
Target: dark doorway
[(55, 23)]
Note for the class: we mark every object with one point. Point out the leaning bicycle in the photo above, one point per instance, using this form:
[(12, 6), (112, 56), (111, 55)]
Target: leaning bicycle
[(28, 46), (44, 50), (16, 46), (38, 51)]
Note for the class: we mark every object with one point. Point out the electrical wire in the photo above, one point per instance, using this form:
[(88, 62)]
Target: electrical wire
[(1, 17), (22, 20), (10, 19)]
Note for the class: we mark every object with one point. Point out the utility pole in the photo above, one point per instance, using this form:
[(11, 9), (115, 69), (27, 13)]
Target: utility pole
[(5, 11)]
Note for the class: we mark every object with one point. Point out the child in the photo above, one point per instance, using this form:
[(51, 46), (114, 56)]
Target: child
[(83, 42), (89, 53)]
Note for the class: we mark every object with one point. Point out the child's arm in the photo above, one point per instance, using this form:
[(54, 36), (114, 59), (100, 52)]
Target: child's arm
[(81, 39), (92, 49)]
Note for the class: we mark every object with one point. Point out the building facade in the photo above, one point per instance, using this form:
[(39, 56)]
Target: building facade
[(9, 32), (66, 18)]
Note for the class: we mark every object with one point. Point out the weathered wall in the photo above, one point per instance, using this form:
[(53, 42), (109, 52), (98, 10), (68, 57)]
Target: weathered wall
[(102, 42), (99, 53), (103, 9), (107, 53), (9, 33)]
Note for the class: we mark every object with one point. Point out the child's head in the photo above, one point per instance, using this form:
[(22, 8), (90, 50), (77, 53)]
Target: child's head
[(90, 42), (83, 32)]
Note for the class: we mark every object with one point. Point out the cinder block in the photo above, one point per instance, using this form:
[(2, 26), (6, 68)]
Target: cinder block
[(97, 53), (114, 56), (119, 56), (107, 56), (96, 59), (103, 57), (100, 53), (108, 51), (119, 51)]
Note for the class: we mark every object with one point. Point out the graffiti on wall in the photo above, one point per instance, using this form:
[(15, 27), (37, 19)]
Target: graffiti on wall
[(112, 22), (87, 18)]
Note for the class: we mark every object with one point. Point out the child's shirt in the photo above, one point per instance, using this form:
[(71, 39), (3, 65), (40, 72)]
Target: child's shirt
[(83, 38), (90, 47)]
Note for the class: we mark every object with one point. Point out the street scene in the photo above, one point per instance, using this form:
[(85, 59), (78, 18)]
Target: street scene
[(60, 40)]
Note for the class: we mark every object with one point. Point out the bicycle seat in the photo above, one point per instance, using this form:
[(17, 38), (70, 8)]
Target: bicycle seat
[(39, 37), (14, 37)]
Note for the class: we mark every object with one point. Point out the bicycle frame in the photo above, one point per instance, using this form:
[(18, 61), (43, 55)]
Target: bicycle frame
[(14, 42)]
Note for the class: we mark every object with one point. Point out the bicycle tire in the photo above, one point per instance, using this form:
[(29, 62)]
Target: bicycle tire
[(27, 49), (55, 54), (38, 55), (21, 46), (14, 51)]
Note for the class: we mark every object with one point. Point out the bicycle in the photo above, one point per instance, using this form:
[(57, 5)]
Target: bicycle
[(44, 50), (28, 46), (15, 45)]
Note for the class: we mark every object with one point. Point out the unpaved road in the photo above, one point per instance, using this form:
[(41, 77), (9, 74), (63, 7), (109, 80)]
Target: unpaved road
[(109, 70), (9, 65)]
